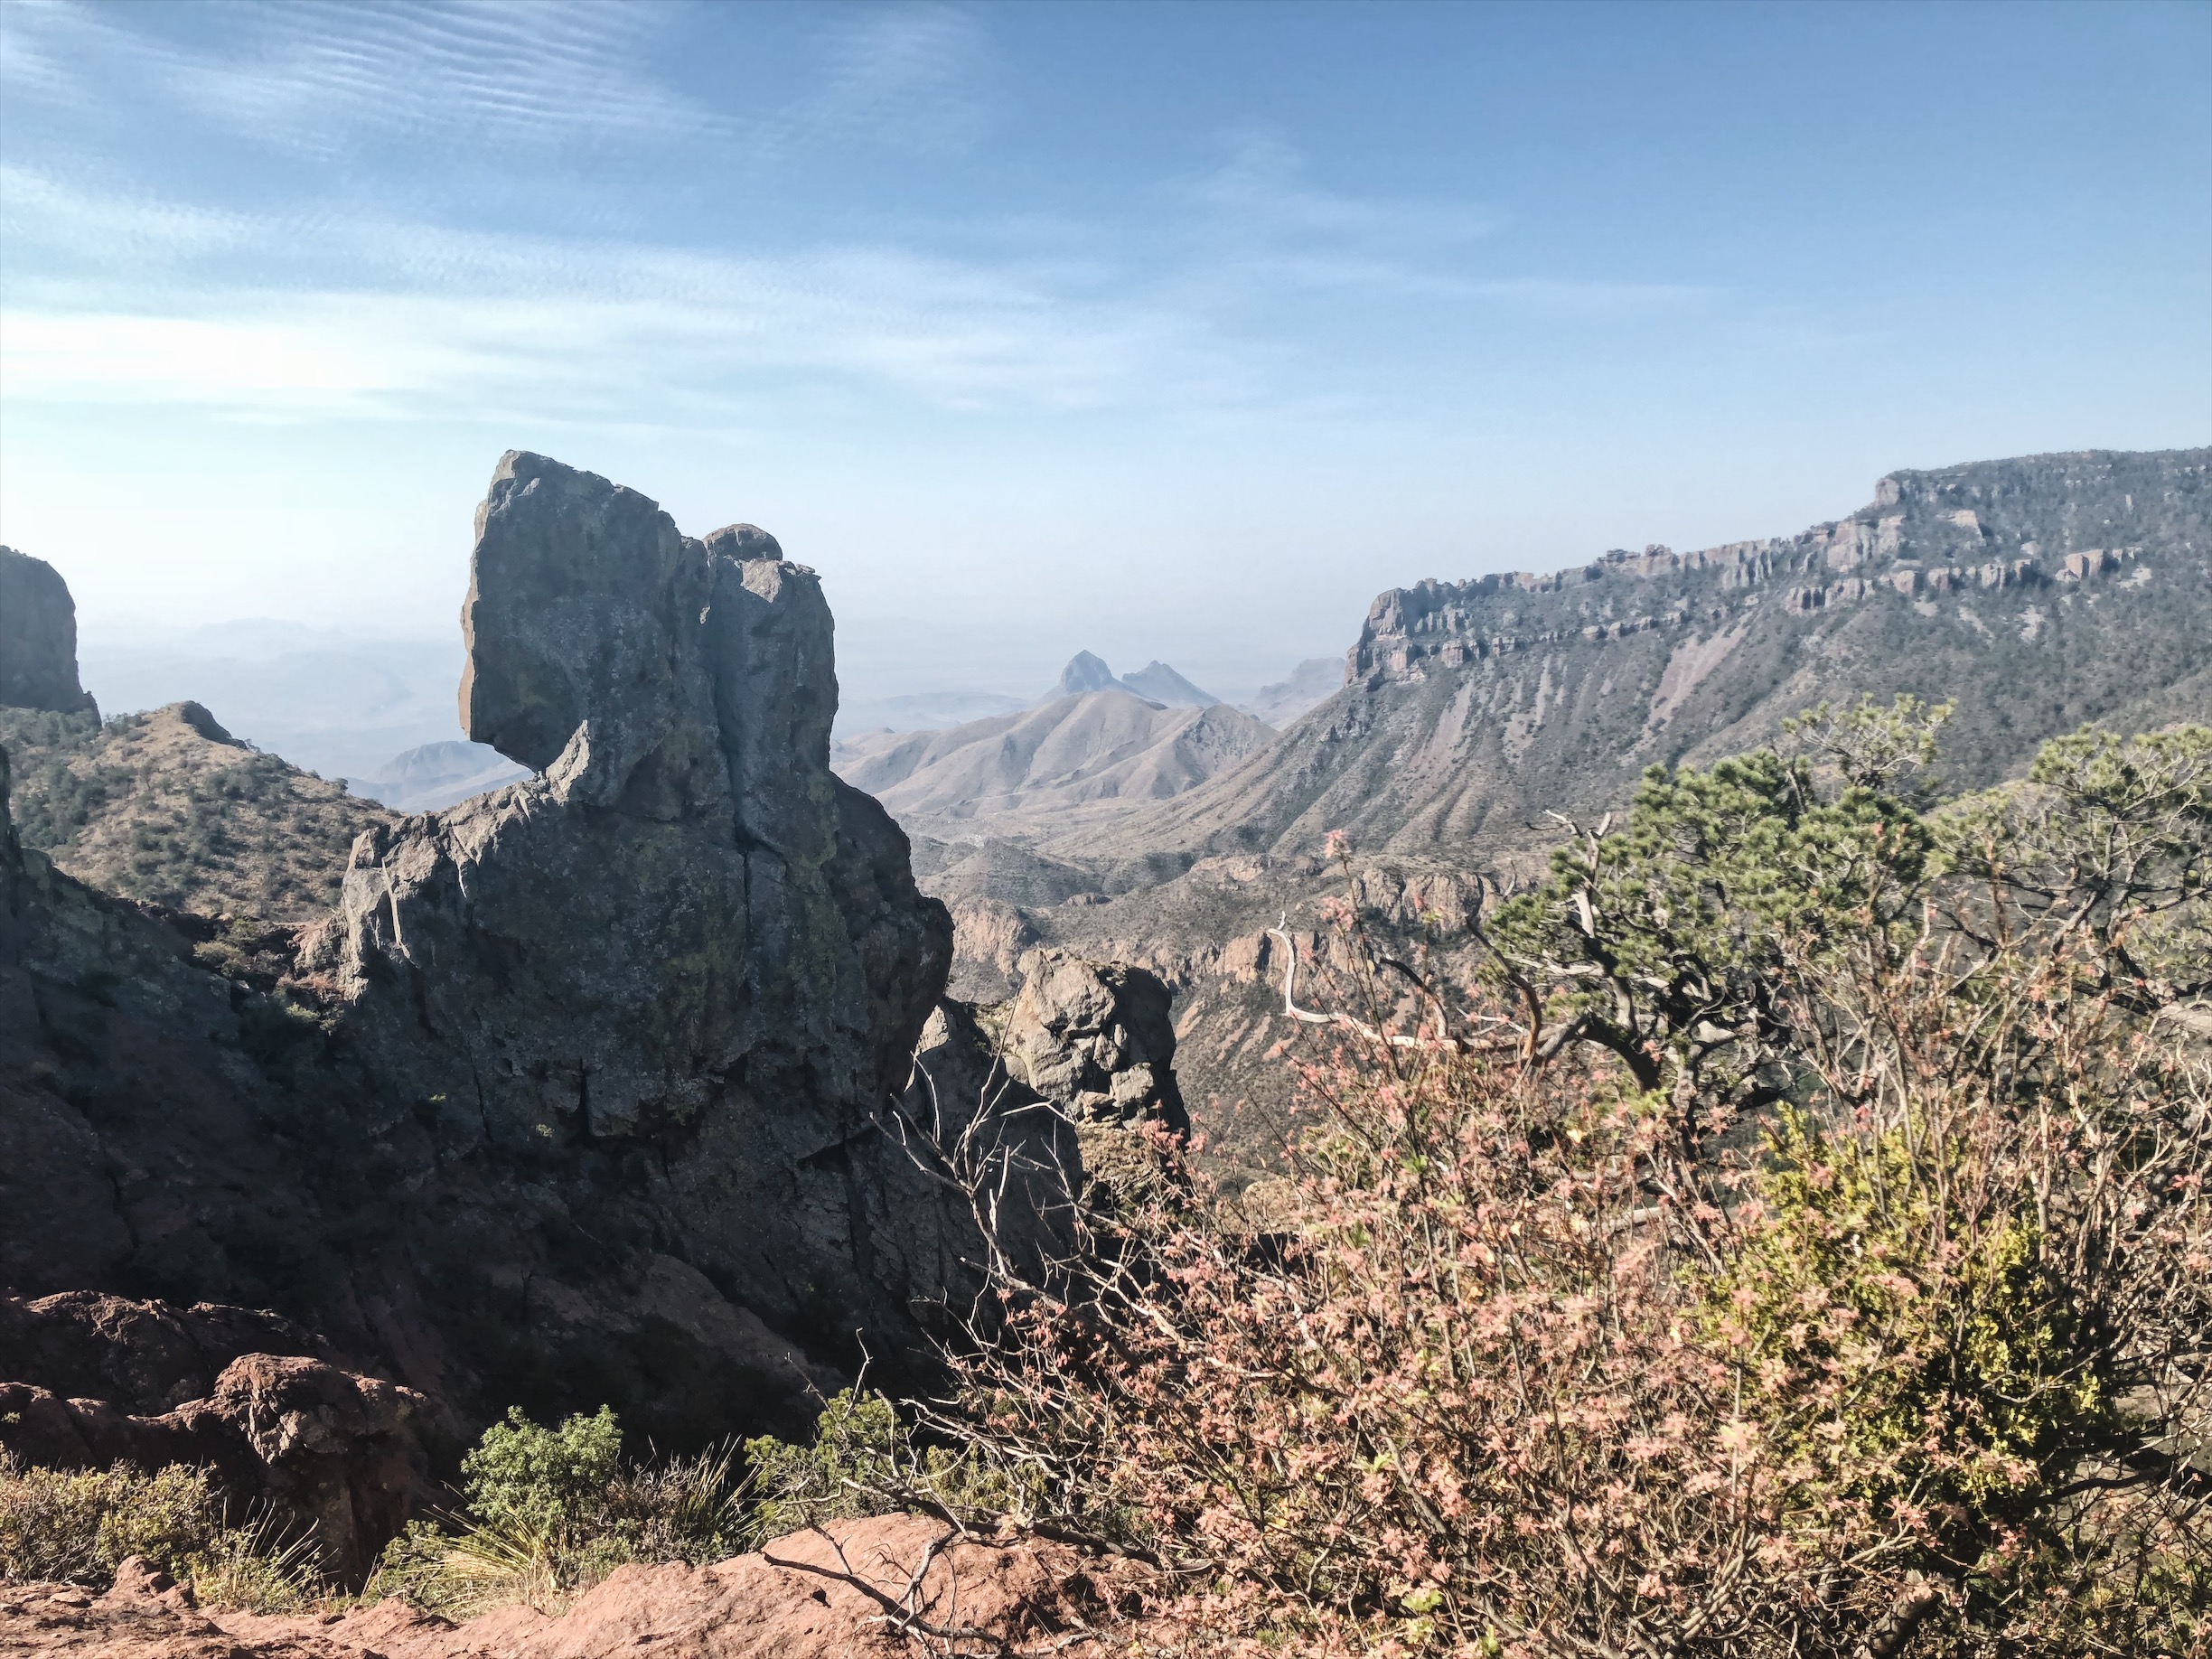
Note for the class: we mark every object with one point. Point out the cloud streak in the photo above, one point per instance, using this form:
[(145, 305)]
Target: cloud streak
[(317, 77), (324, 77), (434, 319), (115, 295)]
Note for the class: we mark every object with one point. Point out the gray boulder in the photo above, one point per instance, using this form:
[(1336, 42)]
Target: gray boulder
[(38, 637), (1095, 1039)]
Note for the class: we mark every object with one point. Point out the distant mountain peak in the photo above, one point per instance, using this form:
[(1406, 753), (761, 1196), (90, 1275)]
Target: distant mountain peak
[(1085, 672), (1156, 682), (1162, 684)]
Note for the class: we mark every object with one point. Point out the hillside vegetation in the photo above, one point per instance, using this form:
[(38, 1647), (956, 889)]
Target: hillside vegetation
[(169, 808), (1797, 1241)]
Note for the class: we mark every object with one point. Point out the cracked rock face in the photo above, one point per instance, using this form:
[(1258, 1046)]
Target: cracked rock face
[(1096, 1039), (674, 975)]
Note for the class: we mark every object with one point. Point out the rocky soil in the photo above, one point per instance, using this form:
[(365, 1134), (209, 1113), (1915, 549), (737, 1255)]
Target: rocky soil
[(1020, 1598)]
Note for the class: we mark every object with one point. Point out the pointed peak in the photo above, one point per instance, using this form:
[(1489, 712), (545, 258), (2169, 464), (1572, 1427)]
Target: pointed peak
[(1085, 672)]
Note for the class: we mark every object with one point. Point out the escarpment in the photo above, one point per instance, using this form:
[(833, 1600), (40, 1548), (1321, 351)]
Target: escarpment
[(2033, 594)]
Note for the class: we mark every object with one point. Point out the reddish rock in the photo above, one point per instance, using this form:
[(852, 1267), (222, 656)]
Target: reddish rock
[(139, 1357), (310, 1443), (1028, 1597)]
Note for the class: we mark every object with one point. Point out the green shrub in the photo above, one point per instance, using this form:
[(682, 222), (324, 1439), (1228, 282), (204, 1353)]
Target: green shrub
[(865, 1461), (857, 1446), (551, 1512), (549, 1481), (78, 1525)]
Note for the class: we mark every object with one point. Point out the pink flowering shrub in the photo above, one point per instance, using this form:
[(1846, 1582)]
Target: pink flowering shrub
[(1863, 1306)]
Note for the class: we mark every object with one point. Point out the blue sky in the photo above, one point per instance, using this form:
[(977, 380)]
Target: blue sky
[(1161, 330)]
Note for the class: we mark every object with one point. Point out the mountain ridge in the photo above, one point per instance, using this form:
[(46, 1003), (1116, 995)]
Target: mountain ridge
[(1085, 754), (2039, 592), (1474, 709)]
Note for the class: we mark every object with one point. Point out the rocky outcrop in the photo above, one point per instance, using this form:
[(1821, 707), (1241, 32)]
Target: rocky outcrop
[(321, 1449), (682, 968), (1095, 1039), (38, 637), (578, 1098), (139, 1357), (90, 1382)]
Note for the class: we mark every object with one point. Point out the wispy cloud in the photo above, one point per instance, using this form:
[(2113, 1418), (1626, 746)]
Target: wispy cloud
[(316, 76), (372, 308), (432, 319), (322, 76), (915, 74), (1264, 193), (474, 322)]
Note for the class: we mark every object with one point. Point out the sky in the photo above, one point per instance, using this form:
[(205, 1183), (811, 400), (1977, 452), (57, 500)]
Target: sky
[(1172, 331)]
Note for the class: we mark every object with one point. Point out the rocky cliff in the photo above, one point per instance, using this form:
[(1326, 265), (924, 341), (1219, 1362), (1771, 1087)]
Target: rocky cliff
[(2035, 594), (38, 637), (579, 1096)]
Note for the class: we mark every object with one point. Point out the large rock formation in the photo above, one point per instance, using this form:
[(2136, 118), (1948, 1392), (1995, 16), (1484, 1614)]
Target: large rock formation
[(1095, 1039), (579, 1097), (38, 637), (675, 975)]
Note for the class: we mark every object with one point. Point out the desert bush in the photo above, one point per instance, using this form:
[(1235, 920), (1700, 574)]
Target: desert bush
[(78, 1525), (551, 1512), (1799, 1246), (866, 1459)]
